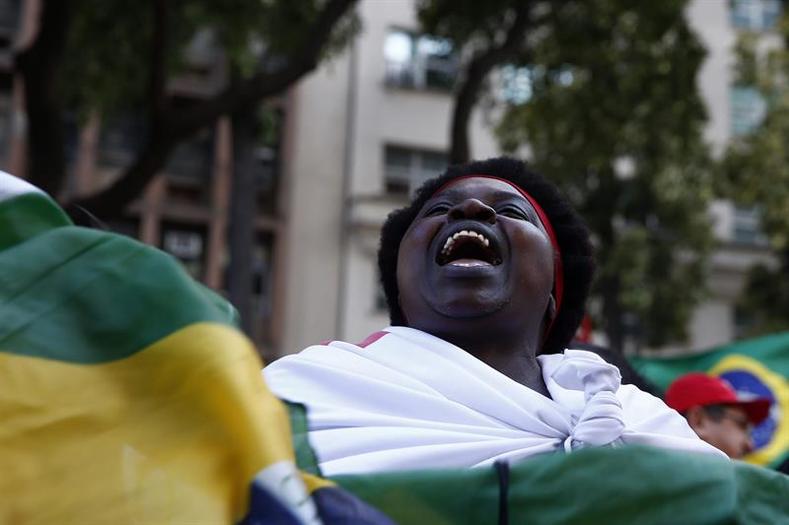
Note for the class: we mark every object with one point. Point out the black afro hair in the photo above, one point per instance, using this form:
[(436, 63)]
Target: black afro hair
[(571, 234)]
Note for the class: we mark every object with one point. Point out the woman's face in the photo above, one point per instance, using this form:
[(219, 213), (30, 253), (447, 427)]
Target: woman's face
[(476, 255)]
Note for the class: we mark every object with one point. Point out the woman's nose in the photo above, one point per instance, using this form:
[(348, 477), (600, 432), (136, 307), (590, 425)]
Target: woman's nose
[(473, 209)]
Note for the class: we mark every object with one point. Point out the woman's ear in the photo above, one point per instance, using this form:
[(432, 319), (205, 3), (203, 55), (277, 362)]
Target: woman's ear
[(402, 313), (550, 312)]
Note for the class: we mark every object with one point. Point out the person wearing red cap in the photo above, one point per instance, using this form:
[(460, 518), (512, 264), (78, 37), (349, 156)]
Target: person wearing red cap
[(716, 413)]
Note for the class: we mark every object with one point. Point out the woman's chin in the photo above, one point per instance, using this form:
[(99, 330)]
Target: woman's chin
[(467, 309)]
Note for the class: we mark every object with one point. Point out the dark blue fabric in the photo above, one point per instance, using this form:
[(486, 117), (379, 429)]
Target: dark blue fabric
[(267, 509), (335, 507), (339, 507)]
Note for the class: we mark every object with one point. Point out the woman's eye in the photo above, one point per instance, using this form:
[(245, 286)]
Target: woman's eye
[(513, 213), (438, 209)]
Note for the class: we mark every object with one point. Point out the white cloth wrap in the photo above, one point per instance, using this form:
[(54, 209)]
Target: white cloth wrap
[(11, 186), (409, 400), (601, 421)]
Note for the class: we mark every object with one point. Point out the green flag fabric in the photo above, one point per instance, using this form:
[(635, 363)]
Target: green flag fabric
[(127, 394), (629, 485), (755, 368)]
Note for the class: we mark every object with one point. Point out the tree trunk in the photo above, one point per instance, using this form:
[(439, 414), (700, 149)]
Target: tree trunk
[(612, 311), (162, 136), (243, 210), (173, 126), (111, 202), (39, 66), (471, 85), (460, 150)]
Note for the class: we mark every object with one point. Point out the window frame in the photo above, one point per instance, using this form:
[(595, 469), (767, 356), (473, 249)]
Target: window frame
[(417, 171), (754, 15), (415, 73)]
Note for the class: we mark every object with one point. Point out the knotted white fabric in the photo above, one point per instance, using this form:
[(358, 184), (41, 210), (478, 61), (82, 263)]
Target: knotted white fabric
[(404, 399), (601, 421)]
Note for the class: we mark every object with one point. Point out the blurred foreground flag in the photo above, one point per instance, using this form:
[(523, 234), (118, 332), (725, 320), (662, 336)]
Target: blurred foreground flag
[(594, 486), (755, 368), (126, 393)]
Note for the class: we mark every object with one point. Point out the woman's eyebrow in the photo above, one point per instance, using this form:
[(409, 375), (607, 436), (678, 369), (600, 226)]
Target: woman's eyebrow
[(499, 195), (451, 193), (503, 195)]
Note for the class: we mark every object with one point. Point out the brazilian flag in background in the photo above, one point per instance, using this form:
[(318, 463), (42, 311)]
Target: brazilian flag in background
[(126, 393), (758, 368)]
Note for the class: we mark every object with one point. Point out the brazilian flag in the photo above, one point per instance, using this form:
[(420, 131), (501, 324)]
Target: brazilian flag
[(755, 368), (127, 395)]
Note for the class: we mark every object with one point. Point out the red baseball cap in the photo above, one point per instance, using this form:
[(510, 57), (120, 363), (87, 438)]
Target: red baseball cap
[(699, 389)]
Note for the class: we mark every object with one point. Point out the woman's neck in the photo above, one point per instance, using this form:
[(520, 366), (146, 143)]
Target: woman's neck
[(516, 360)]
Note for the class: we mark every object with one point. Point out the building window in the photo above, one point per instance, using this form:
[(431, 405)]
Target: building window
[(120, 140), (515, 84), (755, 15), (189, 169), (743, 323), (746, 226), (419, 61), (407, 169), (748, 108), (187, 244), (192, 161), (9, 21)]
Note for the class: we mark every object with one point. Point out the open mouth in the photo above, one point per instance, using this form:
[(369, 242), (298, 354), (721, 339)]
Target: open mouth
[(468, 248)]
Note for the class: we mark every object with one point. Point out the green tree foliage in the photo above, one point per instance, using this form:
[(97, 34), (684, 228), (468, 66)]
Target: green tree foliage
[(486, 35), (111, 44), (111, 56), (614, 118), (755, 172)]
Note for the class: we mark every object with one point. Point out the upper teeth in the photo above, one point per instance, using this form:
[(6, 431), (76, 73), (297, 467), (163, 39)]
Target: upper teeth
[(463, 233)]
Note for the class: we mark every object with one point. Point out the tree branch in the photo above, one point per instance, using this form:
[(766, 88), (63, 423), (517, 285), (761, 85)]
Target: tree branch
[(266, 84), (158, 79), (39, 66), (178, 125), (479, 67)]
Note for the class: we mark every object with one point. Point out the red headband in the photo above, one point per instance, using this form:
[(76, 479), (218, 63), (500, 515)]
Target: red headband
[(558, 279)]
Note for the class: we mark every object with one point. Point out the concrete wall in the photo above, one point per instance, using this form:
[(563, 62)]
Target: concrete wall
[(313, 176), (710, 21)]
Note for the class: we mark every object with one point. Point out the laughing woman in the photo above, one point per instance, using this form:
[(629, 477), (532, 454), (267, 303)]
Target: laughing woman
[(486, 274)]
